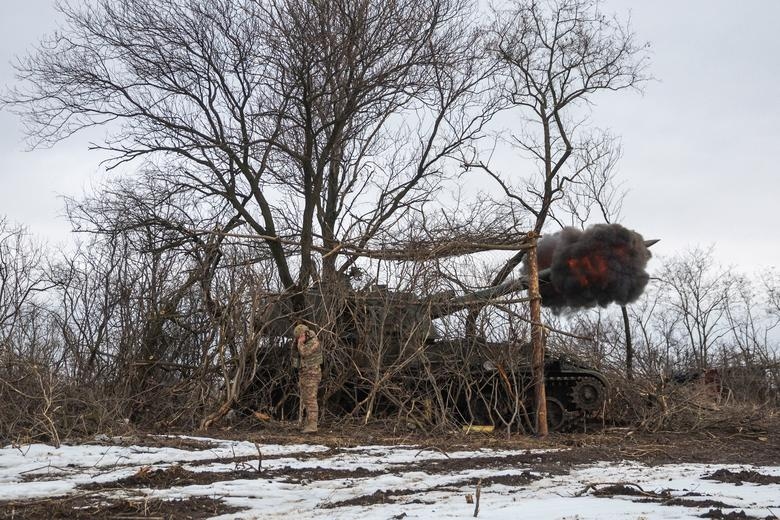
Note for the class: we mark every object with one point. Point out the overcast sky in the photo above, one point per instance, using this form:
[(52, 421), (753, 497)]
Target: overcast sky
[(700, 146)]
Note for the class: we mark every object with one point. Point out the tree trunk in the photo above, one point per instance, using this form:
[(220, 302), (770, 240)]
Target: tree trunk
[(537, 339), (629, 345)]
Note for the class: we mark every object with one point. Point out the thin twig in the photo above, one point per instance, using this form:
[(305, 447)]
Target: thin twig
[(476, 498), (259, 458)]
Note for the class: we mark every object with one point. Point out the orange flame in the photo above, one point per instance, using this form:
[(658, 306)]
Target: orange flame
[(589, 270)]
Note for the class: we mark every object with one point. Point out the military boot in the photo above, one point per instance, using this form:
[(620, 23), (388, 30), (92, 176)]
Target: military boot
[(310, 427)]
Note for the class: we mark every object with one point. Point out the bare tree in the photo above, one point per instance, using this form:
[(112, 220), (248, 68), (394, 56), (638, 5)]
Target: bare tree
[(595, 194), (555, 57), (22, 276), (596, 189), (771, 285), (699, 292), (292, 115), (750, 347)]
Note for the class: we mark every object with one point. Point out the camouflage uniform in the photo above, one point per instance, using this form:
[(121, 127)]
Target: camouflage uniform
[(309, 374)]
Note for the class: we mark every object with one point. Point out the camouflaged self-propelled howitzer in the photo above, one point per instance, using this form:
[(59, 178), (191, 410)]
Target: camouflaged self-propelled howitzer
[(501, 372), (484, 381)]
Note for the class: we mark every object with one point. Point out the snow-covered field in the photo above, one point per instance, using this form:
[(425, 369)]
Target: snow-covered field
[(367, 482)]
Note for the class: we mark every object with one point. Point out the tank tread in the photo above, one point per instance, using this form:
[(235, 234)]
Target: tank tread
[(573, 380)]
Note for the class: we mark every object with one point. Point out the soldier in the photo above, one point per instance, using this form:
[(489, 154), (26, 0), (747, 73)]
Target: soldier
[(309, 373)]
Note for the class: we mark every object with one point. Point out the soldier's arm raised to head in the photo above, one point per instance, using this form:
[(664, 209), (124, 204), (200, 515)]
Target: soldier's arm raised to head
[(309, 347)]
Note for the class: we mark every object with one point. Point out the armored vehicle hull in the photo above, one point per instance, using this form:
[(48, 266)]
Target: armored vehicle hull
[(501, 374)]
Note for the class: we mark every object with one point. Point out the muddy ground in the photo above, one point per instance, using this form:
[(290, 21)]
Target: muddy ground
[(755, 446), (759, 446)]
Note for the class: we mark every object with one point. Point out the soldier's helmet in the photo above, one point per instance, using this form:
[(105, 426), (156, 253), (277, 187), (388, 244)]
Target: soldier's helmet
[(299, 329)]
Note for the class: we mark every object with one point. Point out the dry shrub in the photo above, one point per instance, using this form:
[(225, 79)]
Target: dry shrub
[(665, 405), (37, 404)]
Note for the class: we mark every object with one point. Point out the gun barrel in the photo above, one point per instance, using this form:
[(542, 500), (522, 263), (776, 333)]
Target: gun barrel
[(485, 296)]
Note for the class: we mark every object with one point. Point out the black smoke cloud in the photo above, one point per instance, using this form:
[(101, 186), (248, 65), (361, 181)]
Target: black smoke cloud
[(603, 264)]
